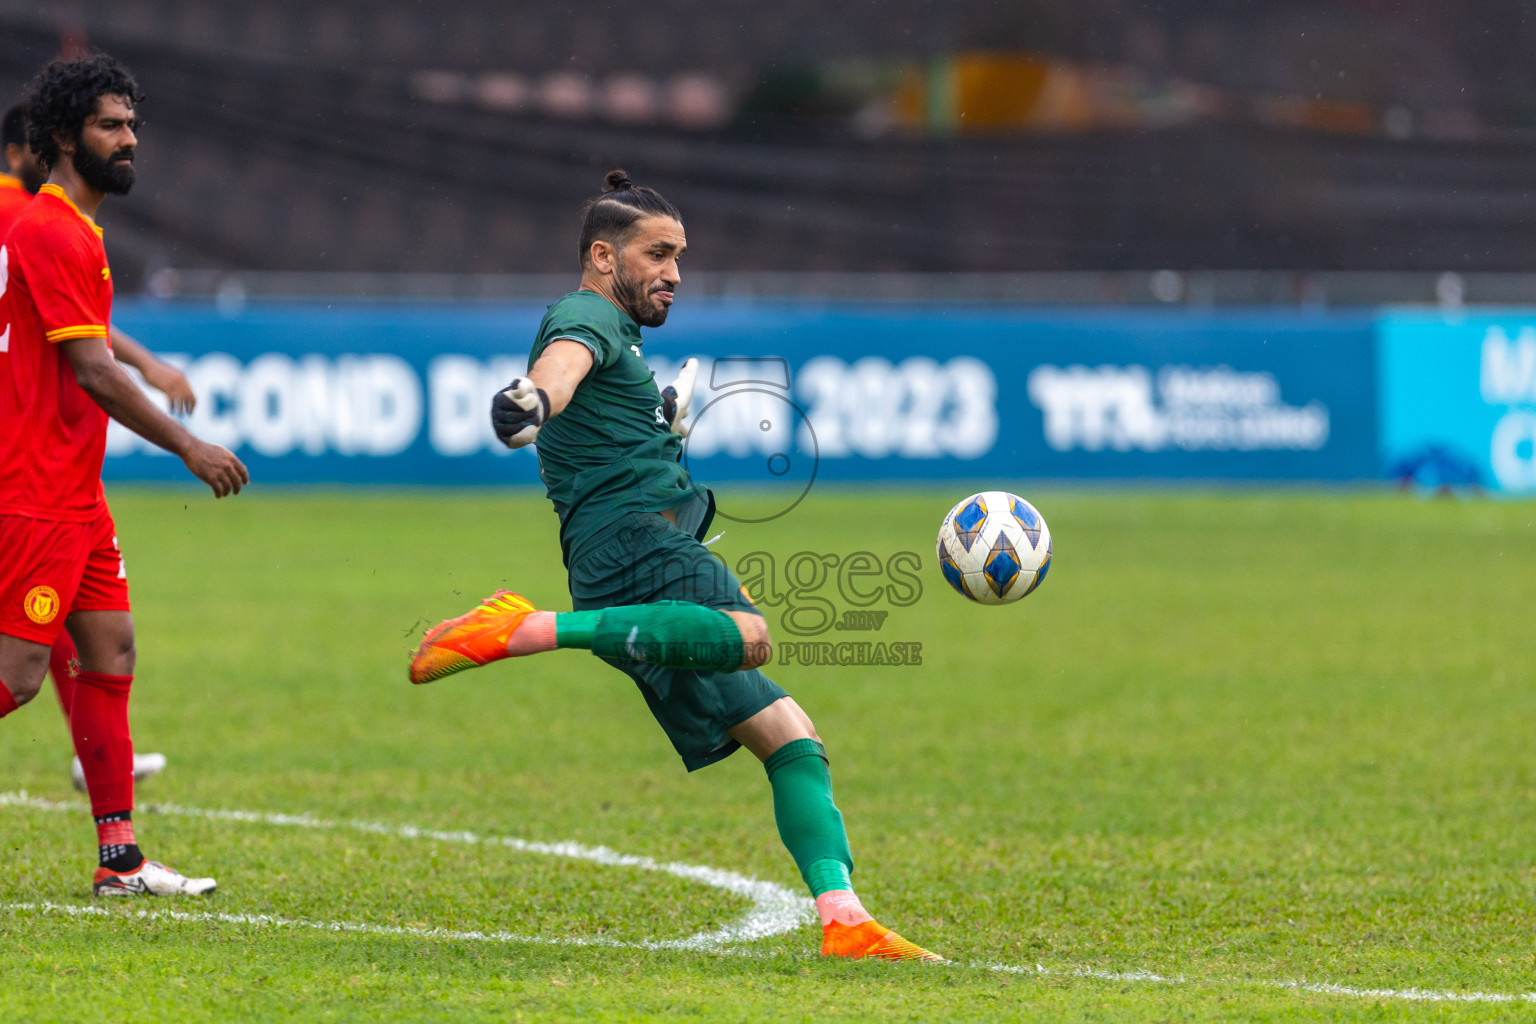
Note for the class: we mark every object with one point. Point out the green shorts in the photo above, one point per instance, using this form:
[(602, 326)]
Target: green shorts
[(647, 559)]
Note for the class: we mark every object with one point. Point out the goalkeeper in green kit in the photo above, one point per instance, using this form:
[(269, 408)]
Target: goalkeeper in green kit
[(648, 597)]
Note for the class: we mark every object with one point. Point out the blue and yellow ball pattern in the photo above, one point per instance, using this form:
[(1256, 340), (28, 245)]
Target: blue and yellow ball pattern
[(994, 547)]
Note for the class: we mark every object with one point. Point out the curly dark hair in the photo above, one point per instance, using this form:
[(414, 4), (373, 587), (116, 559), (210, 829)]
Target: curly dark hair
[(62, 95)]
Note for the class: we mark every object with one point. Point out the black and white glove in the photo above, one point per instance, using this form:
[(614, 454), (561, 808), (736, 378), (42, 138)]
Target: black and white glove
[(675, 398), (518, 411)]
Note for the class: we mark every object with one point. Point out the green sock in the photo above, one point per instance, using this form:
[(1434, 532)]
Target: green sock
[(809, 822), (672, 634), (576, 629), (826, 875)]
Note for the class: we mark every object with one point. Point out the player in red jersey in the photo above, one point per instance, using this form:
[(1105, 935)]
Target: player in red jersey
[(17, 188), (59, 561)]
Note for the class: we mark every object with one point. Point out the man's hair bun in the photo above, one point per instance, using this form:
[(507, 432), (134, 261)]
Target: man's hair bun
[(612, 215)]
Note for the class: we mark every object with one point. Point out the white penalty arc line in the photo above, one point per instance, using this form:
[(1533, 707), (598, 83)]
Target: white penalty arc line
[(354, 927), (775, 910)]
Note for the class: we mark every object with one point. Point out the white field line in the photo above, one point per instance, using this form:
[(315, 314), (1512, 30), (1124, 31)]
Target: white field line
[(427, 932), (776, 910), (1412, 995), (272, 921)]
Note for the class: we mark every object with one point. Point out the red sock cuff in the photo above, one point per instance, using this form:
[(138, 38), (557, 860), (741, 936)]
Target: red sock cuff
[(115, 833), (119, 685), (7, 702)]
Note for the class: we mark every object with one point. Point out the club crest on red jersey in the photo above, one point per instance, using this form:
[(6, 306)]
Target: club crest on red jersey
[(41, 604)]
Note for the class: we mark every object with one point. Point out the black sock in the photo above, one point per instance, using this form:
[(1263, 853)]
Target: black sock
[(117, 849)]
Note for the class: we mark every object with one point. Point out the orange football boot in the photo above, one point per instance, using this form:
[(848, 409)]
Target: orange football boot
[(478, 637), (871, 938)]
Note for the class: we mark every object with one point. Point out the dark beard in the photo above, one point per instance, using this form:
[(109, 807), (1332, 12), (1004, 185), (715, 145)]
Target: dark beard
[(103, 175), (31, 179), (632, 300)]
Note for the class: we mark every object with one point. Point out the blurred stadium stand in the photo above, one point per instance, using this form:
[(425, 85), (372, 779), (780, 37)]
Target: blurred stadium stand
[(1302, 152)]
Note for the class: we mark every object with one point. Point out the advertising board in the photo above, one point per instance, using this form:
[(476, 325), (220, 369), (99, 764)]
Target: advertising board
[(791, 394)]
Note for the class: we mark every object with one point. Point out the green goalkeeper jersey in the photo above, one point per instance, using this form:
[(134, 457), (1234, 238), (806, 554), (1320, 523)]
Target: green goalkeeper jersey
[(609, 452)]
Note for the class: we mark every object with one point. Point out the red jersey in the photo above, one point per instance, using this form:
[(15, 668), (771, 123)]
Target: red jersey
[(14, 198), (54, 286)]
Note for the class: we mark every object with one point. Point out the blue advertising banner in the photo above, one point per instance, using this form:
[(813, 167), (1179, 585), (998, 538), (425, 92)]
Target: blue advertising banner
[(1458, 398), (791, 394)]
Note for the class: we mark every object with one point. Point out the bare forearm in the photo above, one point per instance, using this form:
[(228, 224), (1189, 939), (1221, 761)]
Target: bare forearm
[(101, 378), (121, 398), (130, 353)]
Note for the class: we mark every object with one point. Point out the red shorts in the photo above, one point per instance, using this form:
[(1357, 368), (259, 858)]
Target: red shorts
[(48, 570)]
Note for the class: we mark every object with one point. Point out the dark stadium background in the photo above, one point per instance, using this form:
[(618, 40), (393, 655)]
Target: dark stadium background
[(1321, 137)]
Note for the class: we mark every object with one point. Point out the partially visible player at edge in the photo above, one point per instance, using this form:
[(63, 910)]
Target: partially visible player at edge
[(17, 187), (649, 598), (58, 385)]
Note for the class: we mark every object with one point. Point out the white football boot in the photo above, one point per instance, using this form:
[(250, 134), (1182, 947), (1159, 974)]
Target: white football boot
[(150, 879), (145, 766)]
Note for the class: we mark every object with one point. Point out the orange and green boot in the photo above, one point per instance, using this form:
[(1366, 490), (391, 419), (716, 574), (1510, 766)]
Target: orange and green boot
[(475, 638), (871, 939)]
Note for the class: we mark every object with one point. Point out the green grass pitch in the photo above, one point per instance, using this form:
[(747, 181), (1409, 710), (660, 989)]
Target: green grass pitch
[(1237, 740)]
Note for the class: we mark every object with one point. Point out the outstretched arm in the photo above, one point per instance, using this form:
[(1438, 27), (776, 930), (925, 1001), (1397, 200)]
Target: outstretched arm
[(525, 405), (113, 390), (160, 375)]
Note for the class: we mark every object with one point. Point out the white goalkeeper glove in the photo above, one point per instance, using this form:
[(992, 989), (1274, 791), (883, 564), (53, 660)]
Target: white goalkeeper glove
[(518, 411), (675, 398)]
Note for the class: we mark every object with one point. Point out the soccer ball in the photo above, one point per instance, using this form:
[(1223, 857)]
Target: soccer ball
[(994, 547)]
